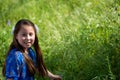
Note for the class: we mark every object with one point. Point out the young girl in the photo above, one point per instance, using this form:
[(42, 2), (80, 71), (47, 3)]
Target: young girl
[(22, 62)]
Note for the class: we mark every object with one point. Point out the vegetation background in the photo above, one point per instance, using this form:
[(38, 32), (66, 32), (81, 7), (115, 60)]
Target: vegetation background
[(80, 39)]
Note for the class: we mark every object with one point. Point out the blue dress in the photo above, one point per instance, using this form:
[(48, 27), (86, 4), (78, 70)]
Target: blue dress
[(16, 68)]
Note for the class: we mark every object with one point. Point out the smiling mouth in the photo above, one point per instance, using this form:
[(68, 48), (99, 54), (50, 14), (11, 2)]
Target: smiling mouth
[(26, 41)]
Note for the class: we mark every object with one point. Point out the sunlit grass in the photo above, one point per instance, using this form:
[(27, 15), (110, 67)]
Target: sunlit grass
[(77, 36)]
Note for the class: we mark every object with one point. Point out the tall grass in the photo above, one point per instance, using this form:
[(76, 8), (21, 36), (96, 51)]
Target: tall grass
[(79, 38)]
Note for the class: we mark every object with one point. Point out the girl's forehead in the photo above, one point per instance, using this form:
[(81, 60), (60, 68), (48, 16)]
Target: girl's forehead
[(27, 28)]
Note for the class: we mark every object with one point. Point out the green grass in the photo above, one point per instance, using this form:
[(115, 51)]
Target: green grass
[(1, 77), (80, 39)]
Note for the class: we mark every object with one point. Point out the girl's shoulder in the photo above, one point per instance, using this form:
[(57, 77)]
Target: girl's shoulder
[(15, 54)]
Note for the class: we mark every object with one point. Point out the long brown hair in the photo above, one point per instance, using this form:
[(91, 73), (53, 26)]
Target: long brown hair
[(40, 68)]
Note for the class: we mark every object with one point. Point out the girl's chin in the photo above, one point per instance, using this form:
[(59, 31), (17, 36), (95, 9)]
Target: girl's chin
[(28, 46)]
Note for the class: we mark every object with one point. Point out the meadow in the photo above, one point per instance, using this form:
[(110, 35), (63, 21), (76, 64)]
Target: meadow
[(80, 39)]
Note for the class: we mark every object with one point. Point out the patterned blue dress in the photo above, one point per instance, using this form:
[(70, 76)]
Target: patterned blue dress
[(16, 68)]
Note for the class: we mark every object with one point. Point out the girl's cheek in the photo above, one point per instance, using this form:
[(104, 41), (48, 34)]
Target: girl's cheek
[(23, 38)]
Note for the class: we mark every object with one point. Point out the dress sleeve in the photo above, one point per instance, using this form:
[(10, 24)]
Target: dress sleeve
[(12, 66)]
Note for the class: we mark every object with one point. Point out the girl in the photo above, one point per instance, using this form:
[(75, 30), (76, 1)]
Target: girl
[(22, 62)]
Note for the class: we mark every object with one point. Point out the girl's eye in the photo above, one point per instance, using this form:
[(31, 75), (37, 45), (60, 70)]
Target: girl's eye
[(23, 34), (31, 34)]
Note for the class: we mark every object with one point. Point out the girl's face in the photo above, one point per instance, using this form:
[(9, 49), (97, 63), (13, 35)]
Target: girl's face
[(26, 36)]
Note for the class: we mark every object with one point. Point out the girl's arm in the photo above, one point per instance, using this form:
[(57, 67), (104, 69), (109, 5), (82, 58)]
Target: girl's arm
[(52, 76)]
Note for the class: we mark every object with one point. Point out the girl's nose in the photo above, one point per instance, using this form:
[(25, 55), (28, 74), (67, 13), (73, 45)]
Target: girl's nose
[(28, 37)]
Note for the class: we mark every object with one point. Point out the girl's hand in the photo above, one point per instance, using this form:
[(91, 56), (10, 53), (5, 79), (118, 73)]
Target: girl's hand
[(54, 77)]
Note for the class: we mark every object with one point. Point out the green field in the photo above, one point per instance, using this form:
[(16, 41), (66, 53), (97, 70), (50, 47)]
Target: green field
[(80, 39)]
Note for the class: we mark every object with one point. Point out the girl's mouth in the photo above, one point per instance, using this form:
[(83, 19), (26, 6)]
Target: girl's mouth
[(26, 41)]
